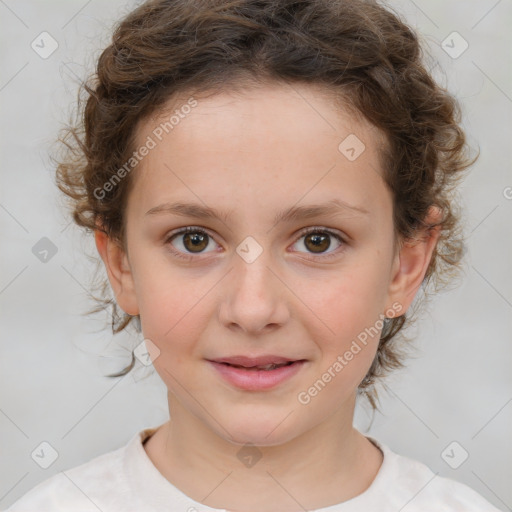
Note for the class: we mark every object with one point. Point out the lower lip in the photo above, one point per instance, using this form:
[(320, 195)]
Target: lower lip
[(256, 380)]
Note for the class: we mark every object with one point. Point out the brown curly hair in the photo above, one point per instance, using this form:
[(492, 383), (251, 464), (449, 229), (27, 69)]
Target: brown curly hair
[(359, 50)]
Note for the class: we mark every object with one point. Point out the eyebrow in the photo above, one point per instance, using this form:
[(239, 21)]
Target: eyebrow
[(290, 214)]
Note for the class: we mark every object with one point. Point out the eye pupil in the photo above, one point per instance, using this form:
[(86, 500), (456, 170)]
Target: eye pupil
[(320, 242), (198, 240)]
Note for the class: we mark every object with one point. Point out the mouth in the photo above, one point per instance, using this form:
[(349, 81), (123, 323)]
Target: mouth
[(261, 362), (257, 374), (266, 367)]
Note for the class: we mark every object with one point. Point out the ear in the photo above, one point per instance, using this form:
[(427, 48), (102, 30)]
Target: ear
[(412, 261), (118, 271)]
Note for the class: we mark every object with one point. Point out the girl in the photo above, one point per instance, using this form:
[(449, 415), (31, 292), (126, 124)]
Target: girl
[(269, 185)]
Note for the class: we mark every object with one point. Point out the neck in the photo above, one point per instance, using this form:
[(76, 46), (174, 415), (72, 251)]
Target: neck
[(326, 465)]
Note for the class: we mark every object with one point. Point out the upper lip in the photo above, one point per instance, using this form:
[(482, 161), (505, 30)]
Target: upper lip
[(254, 361)]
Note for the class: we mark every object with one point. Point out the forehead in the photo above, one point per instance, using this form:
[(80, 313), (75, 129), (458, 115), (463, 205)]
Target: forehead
[(264, 143), (289, 110)]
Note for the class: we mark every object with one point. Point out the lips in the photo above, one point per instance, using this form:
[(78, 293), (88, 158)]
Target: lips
[(260, 367), (261, 373), (265, 362)]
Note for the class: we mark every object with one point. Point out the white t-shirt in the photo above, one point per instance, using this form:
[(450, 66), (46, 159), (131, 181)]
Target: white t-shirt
[(125, 480)]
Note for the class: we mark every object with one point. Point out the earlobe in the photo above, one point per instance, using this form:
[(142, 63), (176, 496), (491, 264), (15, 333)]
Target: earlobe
[(412, 261), (118, 271)]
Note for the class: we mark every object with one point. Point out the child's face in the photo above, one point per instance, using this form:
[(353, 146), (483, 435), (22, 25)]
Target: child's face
[(251, 158)]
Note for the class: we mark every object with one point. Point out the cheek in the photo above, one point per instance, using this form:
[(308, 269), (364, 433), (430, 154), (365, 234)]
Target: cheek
[(164, 291), (344, 321), (172, 306), (345, 302), (175, 328)]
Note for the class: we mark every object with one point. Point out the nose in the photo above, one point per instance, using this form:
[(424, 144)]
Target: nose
[(255, 298)]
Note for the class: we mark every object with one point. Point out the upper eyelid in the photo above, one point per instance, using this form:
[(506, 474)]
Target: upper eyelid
[(186, 229), (312, 229)]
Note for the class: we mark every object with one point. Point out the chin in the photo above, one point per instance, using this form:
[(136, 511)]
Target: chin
[(262, 431)]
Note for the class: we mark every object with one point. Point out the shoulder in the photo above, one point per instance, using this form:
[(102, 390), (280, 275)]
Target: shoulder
[(84, 488), (418, 489)]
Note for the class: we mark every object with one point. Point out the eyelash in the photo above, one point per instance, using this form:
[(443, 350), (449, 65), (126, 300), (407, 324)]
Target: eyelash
[(302, 233)]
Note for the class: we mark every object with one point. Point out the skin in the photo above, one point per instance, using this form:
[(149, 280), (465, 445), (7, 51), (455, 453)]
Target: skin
[(253, 155)]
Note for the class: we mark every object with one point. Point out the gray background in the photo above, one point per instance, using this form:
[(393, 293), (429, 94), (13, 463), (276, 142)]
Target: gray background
[(457, 388)]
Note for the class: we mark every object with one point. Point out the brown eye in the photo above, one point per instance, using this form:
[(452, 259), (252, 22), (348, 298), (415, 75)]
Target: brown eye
[(319, 240), (189, 241), (195, 242)]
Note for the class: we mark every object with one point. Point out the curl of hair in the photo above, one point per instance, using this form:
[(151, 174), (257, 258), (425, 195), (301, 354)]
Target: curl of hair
[(361, 52)]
